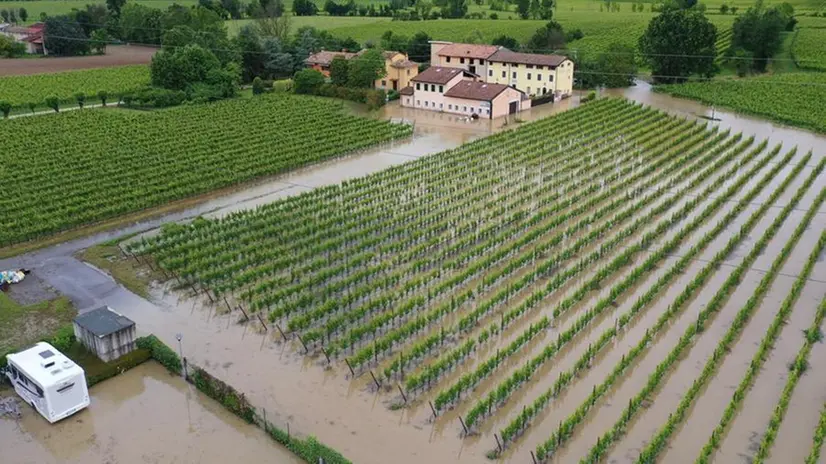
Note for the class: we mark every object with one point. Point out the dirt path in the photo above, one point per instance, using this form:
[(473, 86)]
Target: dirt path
[(117, 55)]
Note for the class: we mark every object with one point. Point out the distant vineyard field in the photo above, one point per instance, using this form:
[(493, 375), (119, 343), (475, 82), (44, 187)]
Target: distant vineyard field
[(66, 170), (809, 49), (791, 98), (22, 90)]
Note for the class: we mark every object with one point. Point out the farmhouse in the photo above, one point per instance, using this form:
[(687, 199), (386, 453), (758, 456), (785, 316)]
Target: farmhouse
[(106, 333), (455, 90), (400, 70), (32, 36), (321, 61), (534, 74)]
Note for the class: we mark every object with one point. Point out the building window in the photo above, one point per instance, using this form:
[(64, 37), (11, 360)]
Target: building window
[(384, 83), (470, 61), (450, 107), (418, 86), (529, 66), (462, 60), (514, 74), (464, 108), (490, 73), (440, 106), (407, 101), (418, 103), (408, 72), (504, 74), (426, 104), (441, 88), (529, 91), (551, 78), (529, 76), (481, 61), (544, 90), (447, 59), (539, 77)]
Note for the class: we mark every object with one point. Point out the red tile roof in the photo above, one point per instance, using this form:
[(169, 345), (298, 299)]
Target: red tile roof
[(406, 91), (468, 50), (476, 90), (506, 56), (404, 64), (438, 75), (324, 58)]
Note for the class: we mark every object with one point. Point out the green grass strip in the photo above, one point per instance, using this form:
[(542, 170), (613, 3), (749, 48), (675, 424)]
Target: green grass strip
[(820, 433)]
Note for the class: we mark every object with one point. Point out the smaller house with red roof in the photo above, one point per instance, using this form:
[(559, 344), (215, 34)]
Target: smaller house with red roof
[(32, 36), (459, 91)]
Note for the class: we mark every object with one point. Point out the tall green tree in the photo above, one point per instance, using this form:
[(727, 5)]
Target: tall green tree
[(365, 69), (252, 52), (279, 62), (454, 9), (62, 36), (23, 14), (759, 33), (690, 34), (115, 7), (418, 49), (339, 71), (523, 8), (304, 8), (506, 41), (307, 81), (547, 39)]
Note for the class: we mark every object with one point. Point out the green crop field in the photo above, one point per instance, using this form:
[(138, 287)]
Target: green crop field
[(57, 7), (791, 98), (809, 49), (554, 286), (21, 90), (72, 169)]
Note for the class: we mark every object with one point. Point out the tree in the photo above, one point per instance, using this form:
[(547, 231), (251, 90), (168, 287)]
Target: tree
[(339, 70), (307, 81), (141, 24), (257, 86), (723, 9), (232, 7), (5, 108), (454, 9), (275, 26), (306, 45), (507, 42), (533, 9), (617, 66), (175, 69), (64, 37), (304, 8), (688, 31), (5, 15), (278, 62), (32, 106), (418, 49), (98, 41), (115, 7), (53, 102), (365, 69), (759, 32), (547, 39), (10, 48), (23, 14), (103, 96), (546, 9), (80, 97), (252, 52), (523, 7), (91, 18), (12, 17), (394, 42)]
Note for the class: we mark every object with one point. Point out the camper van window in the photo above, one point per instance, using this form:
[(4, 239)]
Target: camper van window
[(65, 388)]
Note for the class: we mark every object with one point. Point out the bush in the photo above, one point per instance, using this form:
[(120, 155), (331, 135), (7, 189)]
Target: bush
[(80, 97), (161, 353), (224, 394), (591, 96), (308, 81), (257, 86), (53, 103), (5, 108), (153, 97), (283, 86), (103, 95), (120, 365)]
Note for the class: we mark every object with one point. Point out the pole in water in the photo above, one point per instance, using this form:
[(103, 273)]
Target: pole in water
[(463, 424), (378, 385), (302, 343), (402, 392), (263, 324), (533, 456), (435, 414), (227, 303), (282, 332), (351, 367), (325, 354), (498, 443)]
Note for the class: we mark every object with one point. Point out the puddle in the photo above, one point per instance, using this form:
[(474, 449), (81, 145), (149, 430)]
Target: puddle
[(145, 415)]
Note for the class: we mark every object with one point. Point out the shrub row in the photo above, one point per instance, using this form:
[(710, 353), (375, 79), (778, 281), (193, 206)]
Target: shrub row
[(161, 353), (216, 389)]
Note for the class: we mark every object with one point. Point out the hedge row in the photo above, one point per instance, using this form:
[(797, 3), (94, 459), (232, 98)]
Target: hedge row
[(161, 353)]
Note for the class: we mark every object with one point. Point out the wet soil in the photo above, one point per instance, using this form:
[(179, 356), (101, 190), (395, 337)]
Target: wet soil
[(145, 415), (116, 55)]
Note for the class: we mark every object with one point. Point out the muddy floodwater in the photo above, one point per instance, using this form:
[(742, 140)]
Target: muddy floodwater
[(143, 416), (348, 414)]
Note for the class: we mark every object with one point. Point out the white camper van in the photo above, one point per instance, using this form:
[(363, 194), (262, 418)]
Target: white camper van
[(49, 381)]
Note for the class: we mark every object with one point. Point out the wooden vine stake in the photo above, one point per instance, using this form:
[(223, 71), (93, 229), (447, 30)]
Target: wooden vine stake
[(378, 385), (282, 332), (302, 343), (435, 414), (533, 456), (263, 324), (351, 367), (498, 443), (402, 392), (463, 424)]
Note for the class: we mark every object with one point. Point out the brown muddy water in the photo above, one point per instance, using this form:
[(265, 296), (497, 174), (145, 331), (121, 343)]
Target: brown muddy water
[(145, 415), (345, 413)]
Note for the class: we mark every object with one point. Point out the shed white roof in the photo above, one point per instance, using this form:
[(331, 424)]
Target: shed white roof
[(45, 365)]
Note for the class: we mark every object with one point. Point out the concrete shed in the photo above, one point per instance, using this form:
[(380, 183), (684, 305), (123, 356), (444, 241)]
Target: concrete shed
[(106, 333)]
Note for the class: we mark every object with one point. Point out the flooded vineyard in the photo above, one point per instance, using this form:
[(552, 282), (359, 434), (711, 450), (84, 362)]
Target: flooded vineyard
[(144, 415), (609, 284)]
